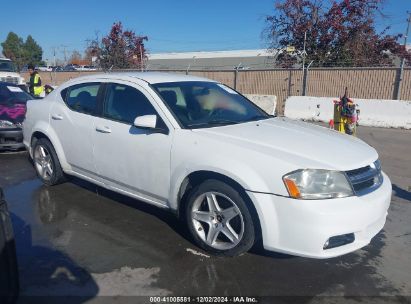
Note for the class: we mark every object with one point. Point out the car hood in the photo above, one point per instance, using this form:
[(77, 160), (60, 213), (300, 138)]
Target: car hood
[(302, 144)]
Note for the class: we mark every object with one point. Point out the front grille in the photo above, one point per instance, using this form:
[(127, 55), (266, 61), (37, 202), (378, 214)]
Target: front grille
[(14, 80), (366, 179)]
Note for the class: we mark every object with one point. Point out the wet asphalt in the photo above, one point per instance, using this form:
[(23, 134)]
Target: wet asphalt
[(79, 239)]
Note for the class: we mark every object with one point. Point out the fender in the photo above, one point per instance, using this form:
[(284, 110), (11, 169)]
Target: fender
[(49, 132), (183, 170), (261, 202)]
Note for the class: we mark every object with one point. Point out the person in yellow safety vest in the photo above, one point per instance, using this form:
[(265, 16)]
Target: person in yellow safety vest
[(35, 87)]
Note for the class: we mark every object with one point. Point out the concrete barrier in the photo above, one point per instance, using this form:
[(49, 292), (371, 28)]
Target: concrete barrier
[(266, 102), (374, 112)]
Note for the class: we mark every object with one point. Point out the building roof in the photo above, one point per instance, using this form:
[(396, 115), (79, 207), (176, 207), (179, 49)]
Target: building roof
[(213, 54), (216, 60)]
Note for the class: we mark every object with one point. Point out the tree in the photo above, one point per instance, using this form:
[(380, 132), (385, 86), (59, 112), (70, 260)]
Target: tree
[(13, 49), (22, 53), (33, 53), (90, 56), (119, 49), (76, 58), (338, 33)]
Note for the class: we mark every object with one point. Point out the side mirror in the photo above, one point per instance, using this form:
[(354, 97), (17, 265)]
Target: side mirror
[(146, 121), (150, 122)]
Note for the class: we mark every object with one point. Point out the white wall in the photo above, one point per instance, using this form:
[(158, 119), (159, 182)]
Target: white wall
[(266, 102), (374, 112)]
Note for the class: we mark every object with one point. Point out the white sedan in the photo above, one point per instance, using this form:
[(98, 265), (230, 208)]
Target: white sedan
[(235, 174)]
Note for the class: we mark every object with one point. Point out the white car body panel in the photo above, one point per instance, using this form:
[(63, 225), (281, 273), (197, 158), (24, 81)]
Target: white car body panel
[(68, 125), (256, 155), (301, 227), (137, 153)]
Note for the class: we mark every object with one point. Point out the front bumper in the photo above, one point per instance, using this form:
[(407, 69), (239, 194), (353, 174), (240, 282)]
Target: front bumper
[(302, 227), (11, 139)]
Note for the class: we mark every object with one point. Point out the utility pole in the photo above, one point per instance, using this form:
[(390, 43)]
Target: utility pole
[(54, 55), (304, 52), (55, 49), (189, 66), (236, 68), (304, 70), (141, 59), (398, 91), (54, 76), (305, 78), (65, 53)]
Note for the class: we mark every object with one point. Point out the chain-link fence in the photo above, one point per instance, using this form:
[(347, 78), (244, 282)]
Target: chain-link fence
[(373, 83)]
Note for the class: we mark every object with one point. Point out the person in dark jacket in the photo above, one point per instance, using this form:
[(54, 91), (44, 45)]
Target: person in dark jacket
[(35, 87)]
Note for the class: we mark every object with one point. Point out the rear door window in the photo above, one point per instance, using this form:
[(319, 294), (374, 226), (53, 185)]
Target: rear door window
[(83, 97)]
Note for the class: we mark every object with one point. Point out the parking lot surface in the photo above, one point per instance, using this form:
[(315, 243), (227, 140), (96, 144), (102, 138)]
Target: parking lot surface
[(79, 239)]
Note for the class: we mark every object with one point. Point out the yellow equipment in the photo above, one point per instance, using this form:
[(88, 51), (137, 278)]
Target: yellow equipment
[(345, 115)]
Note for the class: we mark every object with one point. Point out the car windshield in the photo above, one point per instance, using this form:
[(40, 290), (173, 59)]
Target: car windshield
[(198, 104), (10, 95), (7, 66)]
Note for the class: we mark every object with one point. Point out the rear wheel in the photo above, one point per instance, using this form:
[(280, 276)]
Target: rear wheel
[(46, 163), (219, 219)]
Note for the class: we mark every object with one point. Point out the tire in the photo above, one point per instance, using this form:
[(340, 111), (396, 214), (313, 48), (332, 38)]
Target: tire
[(47, 164), (219, 219)]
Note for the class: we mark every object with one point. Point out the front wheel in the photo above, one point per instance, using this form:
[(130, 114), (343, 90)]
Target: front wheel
[(219, 220), (46, 163)]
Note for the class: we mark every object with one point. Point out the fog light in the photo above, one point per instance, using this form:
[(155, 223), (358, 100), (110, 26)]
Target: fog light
[(339, 240)]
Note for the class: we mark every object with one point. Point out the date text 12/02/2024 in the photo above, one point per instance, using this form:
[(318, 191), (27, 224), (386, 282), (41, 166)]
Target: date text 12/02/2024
[(205, 299)]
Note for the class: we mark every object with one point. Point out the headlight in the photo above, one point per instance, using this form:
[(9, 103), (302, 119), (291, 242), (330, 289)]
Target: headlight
[(7, 124), (317, 184)]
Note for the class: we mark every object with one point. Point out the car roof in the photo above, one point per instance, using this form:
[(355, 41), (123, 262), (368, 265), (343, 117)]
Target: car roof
[(150, 77)]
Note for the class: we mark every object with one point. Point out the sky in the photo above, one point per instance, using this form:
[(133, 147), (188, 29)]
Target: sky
[(171, 25)]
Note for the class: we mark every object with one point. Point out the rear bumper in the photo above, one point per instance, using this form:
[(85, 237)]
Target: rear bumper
[(302, 227), (11, 139)]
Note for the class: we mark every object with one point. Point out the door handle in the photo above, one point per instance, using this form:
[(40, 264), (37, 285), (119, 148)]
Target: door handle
[(57, 117), (103, 129)]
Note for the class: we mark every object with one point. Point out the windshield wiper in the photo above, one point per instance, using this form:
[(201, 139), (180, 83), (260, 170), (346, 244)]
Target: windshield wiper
[(219, 122), (256, 117)]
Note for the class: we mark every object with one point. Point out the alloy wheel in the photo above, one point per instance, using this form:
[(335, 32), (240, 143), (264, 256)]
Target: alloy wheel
[(217, 220), (43, 162)]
